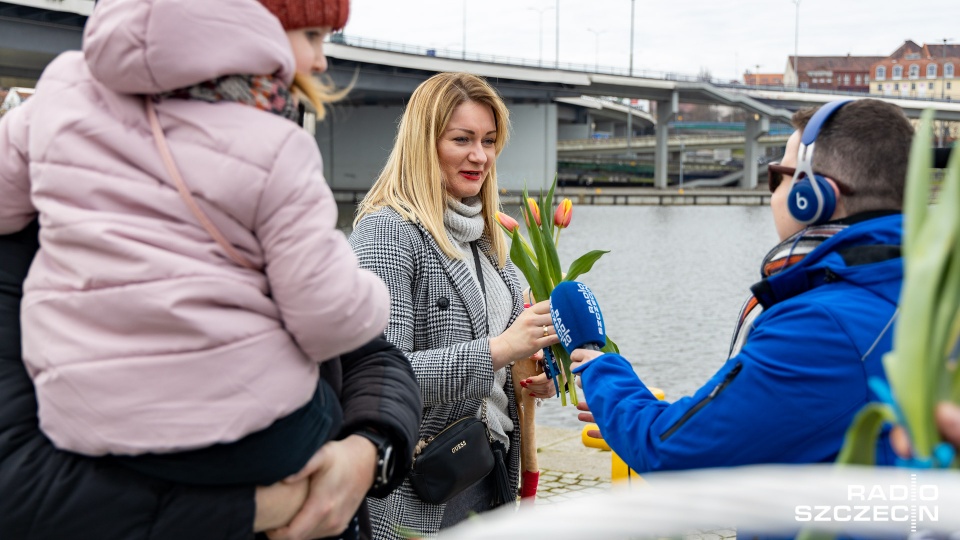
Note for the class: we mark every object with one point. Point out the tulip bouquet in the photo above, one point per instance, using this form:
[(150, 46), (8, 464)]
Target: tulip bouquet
[(537, 259)]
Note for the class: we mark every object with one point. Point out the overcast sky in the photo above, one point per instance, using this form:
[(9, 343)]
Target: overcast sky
[(723, 37)]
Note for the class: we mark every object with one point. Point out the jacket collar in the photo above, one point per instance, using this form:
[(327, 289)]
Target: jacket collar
[(850, 255), (466, 286)]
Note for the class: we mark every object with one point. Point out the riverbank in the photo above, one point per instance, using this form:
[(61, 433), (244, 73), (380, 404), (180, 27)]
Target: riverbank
[(627, 196)]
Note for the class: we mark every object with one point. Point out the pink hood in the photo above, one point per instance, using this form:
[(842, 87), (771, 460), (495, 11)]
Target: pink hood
[(139, 333), (152, 46)]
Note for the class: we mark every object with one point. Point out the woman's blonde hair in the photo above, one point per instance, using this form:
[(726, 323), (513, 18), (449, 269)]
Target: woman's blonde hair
[(412, 183), (317, 93)]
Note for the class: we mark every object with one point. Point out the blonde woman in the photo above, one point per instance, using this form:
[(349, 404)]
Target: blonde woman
[(425, 228)]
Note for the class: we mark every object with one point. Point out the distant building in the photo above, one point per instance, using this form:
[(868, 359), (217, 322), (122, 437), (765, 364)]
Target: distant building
[(921, 72), (844, 73), (763, 79)]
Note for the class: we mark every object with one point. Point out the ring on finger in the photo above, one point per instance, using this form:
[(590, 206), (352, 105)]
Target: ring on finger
[(545, 331)]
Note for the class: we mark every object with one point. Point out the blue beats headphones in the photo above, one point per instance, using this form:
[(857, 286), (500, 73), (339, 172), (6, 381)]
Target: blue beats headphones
[(812, 200)]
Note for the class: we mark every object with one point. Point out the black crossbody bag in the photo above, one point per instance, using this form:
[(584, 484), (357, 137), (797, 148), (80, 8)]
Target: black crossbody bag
[(453, 460), (462, 454)]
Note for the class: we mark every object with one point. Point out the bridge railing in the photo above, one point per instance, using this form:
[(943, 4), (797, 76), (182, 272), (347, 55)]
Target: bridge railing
[(740, 86), (676, 140), (454, 54), (368, 43)]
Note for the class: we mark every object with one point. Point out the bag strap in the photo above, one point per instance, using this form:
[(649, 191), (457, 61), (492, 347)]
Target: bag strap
[(476, 260), (185, 194), (483, 289)]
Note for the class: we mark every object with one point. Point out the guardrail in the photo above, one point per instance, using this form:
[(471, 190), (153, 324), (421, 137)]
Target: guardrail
[(687, 141), (454, 54), (459, 54)]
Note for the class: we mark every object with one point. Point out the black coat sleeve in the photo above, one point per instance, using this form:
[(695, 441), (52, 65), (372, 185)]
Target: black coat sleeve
[(47, 493), (380, 391)]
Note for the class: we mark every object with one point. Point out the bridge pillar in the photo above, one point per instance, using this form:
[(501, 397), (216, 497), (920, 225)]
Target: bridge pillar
[(665, 112), (754, 128)]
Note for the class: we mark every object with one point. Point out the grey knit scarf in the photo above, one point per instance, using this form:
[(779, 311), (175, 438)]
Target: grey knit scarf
[(463, 221)]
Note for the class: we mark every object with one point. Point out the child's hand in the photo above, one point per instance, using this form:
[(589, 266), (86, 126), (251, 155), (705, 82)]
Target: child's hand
[(276, 505)]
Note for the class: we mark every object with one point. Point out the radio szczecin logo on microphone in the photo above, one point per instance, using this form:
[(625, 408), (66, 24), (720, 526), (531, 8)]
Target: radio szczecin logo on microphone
[(592, 306), (562, 331)]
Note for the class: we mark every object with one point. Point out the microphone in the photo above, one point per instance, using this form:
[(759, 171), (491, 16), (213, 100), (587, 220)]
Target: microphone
[(576, 317)]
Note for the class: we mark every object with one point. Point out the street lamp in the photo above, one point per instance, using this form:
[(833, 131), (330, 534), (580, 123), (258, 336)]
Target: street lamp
[(796, 47), (596, 56), (540, 12), (464, 57), (633, 5), (943, 69), (557, 52), (943, 86)]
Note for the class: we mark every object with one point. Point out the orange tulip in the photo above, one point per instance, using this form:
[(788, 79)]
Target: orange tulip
[(534, 209), (507, 222), (561, 218)]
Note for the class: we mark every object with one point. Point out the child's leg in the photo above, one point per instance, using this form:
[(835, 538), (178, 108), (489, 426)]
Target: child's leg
[(261, 458)]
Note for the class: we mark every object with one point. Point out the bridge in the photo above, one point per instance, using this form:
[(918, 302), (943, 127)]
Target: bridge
[(547, 103), (648, 145), (387, 72)]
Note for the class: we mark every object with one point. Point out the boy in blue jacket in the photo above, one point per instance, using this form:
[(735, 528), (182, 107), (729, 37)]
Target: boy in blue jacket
[(813, 331)]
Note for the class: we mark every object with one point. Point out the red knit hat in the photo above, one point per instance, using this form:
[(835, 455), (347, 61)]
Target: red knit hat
[(295, 14)]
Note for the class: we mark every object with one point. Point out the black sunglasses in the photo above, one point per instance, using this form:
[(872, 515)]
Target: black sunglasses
[(776, 172)]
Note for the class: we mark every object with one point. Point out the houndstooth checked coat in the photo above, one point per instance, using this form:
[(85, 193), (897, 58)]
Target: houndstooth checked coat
[(437, 318)]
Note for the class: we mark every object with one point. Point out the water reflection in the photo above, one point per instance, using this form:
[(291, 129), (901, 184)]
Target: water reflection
[(670, 289)]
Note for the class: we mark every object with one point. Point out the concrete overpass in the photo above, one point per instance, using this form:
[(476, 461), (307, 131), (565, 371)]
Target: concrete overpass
[(793, 99), (33, 32), (358, 137), (387, 73)]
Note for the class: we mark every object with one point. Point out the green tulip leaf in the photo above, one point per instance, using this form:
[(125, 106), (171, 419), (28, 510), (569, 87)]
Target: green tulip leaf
[(583, 264), (813, 534), (527, 267), (611, 347), (860, 442), (917, 192)]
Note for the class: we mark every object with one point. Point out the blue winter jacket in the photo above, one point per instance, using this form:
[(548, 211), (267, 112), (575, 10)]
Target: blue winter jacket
[(791, 392)]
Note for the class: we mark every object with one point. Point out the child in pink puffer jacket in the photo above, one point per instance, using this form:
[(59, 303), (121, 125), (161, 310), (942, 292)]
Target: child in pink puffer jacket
[(143, 335)]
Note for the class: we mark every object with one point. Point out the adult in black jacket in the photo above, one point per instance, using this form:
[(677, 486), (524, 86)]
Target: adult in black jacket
[(47, 493)]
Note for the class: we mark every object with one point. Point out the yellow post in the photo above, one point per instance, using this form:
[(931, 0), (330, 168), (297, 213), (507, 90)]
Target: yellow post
[(619, 471)]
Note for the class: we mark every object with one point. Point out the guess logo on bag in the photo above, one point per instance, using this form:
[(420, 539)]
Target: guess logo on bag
[(460, 445)]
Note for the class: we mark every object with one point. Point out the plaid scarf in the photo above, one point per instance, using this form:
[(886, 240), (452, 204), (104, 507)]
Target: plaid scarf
[(782, 256), (265, 92)]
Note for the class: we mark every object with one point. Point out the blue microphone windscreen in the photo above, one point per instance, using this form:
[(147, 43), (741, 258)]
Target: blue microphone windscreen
[(576, 316)]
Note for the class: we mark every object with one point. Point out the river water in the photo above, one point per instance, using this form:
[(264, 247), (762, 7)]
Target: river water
[(670, 289)]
